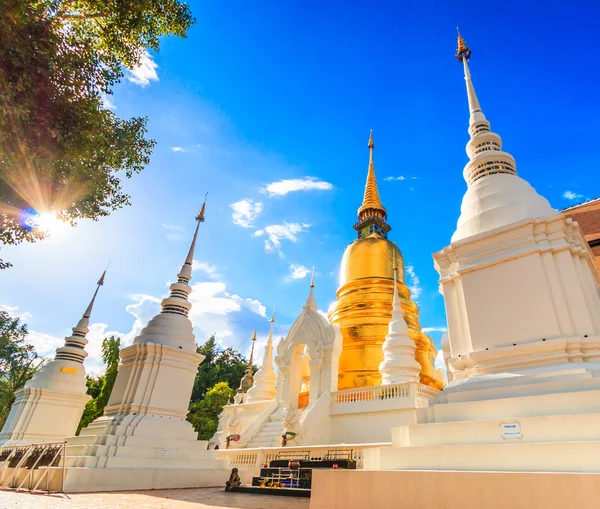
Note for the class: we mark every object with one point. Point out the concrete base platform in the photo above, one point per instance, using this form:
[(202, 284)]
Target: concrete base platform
[(285, 492), (79, 480), (360, 489)]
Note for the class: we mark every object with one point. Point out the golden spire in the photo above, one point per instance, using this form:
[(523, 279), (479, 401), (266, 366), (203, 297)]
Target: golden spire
[(371, 204), (273, 315), (462, 50), (312, 278), (252, 350)]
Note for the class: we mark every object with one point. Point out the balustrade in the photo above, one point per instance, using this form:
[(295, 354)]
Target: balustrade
[(379, 392)]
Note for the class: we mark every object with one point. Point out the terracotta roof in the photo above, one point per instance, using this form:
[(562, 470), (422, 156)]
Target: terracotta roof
[(588, 217)]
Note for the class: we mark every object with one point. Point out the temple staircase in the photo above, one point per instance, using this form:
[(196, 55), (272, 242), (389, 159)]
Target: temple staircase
[(269, 434)]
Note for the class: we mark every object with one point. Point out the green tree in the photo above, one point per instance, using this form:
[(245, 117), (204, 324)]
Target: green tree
[(61, 150), (18, 361), (101, 387), (218, 366), (204, 414)]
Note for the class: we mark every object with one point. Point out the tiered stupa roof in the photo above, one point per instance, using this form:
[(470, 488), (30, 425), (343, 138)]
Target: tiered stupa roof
[(496, 196)]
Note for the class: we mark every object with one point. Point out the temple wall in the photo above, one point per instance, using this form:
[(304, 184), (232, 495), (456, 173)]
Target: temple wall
[(368, 426), (357, 489)]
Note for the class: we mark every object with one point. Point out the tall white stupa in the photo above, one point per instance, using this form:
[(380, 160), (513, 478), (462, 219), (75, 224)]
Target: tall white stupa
[(523, 308), (143, 440), (49, 407)]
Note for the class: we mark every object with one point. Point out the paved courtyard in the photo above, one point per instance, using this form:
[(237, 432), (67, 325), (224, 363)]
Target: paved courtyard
[(200, 498)]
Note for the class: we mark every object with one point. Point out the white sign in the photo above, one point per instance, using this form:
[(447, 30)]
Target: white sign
[(511, 430), (165, 452)]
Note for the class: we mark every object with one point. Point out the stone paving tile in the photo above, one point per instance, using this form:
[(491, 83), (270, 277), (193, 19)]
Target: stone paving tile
[(200, 498)]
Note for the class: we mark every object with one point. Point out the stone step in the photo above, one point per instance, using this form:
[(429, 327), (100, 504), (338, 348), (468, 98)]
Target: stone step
[(552, 428), (516, 386), (518, 407), (508, 457)]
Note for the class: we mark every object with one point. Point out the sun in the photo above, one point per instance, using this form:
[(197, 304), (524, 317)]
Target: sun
[(50, 223)]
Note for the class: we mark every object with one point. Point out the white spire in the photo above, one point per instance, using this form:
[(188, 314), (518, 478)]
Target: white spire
[(399, 364), (74, 349), (265, 378), (172, 326), (485, 147), (311, 303), (501, 198)]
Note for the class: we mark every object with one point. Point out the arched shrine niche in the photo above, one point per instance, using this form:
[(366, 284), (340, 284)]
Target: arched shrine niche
[(307, 360)]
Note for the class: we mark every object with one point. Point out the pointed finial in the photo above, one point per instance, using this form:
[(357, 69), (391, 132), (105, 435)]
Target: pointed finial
[(312, 278), (252, 351), (88, 311), (371, 205), (462, 51), (273, 315), (395, 269), (200, 216), (199, 219)]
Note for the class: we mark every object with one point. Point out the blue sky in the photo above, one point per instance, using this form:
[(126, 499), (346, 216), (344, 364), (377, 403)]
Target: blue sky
[(268, 92)]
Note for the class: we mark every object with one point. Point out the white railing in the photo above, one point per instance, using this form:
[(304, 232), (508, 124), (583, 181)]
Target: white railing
[(248, 458), (392, 391), (383, 392), (426, 392), (249, 408)]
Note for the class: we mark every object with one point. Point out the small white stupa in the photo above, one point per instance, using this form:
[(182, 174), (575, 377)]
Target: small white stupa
[(49, 407), (143, 440), (265, 378), (399, 363)]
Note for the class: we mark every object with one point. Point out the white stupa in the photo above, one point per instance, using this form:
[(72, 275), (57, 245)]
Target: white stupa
[(399, 363), (143, 440), (265, 378), (523, 308), (49, 407)]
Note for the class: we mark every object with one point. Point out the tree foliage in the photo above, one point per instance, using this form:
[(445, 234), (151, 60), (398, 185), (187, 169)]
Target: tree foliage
[(100, 388), (218, 377), (60, 150), (204, 414), (18, 361), (218, 365)]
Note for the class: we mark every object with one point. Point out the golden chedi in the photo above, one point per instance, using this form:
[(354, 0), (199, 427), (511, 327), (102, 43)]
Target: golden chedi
[(363, 308)]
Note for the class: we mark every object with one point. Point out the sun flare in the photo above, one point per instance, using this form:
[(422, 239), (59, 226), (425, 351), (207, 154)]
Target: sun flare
[(50, 223)]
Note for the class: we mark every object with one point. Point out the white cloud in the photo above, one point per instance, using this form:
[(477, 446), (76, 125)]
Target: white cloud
[(14, 312), (434, 329), (570, 195), (401, 177), (211, 306), (107, 102), (145, 72), (177, 149), (172, 227), (284, 187), (297, 272), (245, 212), (413, 283), (278, 232), (209, 270)]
